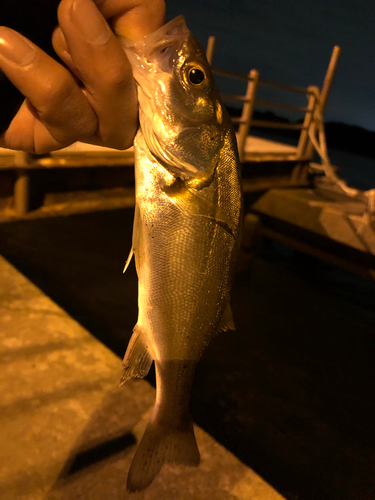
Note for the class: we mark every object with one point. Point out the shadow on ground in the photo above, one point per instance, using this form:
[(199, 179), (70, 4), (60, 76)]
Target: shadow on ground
[(290, 392)]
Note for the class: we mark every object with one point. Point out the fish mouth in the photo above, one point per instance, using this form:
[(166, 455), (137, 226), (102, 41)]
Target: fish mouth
[(155, 54), (172, 33), (159, 46)]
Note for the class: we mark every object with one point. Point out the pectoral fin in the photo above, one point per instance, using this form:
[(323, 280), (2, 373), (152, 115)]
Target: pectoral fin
[(191, 202)]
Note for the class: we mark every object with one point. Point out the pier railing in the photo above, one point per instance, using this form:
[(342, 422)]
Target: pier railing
[(250, 148), (246, 121)]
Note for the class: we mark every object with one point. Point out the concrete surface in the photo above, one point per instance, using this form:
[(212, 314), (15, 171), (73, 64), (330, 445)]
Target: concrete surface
[(68, 431), (341, 220)]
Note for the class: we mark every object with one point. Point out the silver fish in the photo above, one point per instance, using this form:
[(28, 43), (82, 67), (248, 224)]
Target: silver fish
[(186, 234)]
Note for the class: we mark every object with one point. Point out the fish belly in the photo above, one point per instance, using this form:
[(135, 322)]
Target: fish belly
[(183, 264)]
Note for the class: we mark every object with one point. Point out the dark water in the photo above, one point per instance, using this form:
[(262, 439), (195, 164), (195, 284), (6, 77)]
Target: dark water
[(290, 392), (358, 171)]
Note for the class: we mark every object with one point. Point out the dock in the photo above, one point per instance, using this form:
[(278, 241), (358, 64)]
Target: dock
[(68, 431)]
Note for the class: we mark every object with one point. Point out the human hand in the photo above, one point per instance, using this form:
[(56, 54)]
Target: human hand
[(92, 101)]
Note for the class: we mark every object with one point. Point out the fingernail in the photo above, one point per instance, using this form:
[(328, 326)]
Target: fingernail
[(15, 47), (62, 40), (90, 22)]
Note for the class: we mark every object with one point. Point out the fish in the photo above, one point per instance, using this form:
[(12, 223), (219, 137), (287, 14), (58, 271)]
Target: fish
[(186, 235)]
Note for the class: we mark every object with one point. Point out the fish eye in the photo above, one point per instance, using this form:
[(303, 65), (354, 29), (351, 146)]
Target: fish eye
[(196, 76)]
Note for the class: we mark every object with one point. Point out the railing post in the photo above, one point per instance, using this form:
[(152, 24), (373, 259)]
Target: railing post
[(304, 136), (247, 112), (322, 101), (210, 49), (22, 184), (329, 77)]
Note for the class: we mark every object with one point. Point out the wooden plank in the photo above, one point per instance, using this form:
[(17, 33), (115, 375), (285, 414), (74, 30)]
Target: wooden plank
[(258, 145)]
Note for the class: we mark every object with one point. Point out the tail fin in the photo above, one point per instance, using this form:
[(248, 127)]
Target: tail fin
[(162, 444)]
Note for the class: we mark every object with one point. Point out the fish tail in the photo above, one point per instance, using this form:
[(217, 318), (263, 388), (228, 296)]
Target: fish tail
[(160, 445), (169, 436)]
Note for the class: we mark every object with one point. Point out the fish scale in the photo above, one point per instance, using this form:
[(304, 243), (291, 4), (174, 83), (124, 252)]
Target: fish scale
[(186, 235)]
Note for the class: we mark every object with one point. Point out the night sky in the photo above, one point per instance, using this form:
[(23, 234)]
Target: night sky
[(291, 41), (286, 40)]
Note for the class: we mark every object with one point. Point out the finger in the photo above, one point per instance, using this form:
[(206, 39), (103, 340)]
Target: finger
[(57, 112), (99, 61), (145, 17), (133, 19), (61, 48), (27, 133)]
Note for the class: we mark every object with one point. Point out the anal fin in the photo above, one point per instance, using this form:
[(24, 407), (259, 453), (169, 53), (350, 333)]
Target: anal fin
[(227, 321), (137, 360)]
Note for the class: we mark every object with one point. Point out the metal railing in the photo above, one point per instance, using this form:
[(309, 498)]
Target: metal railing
[(23, 162), (249, 102)]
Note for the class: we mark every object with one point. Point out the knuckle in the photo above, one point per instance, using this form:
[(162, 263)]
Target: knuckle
[(118, 78), (119, 141), (55, 90)]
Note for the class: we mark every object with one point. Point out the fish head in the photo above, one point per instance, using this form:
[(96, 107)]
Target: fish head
[(180, 112)]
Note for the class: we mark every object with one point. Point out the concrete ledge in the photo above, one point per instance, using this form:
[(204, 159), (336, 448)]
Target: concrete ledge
[(68, 431)]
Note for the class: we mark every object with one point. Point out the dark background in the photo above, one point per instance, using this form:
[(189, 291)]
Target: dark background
[(286, 40), (36, 20), (291, 392), (291, 41)]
